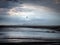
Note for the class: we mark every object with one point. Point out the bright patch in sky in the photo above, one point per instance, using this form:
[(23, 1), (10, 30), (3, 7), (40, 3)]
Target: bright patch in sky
[(29, 12)]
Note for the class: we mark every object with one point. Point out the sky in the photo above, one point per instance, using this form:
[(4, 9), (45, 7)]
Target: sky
[(30, 12)]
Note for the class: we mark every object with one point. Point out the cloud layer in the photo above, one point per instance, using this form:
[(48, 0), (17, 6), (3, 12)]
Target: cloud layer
[(30, 12)]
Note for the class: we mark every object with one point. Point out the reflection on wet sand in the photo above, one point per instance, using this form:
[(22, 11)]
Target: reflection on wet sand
[(28, 34)]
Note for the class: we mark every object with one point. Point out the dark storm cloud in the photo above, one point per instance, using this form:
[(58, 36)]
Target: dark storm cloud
[(6, 6), (47, 3)]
